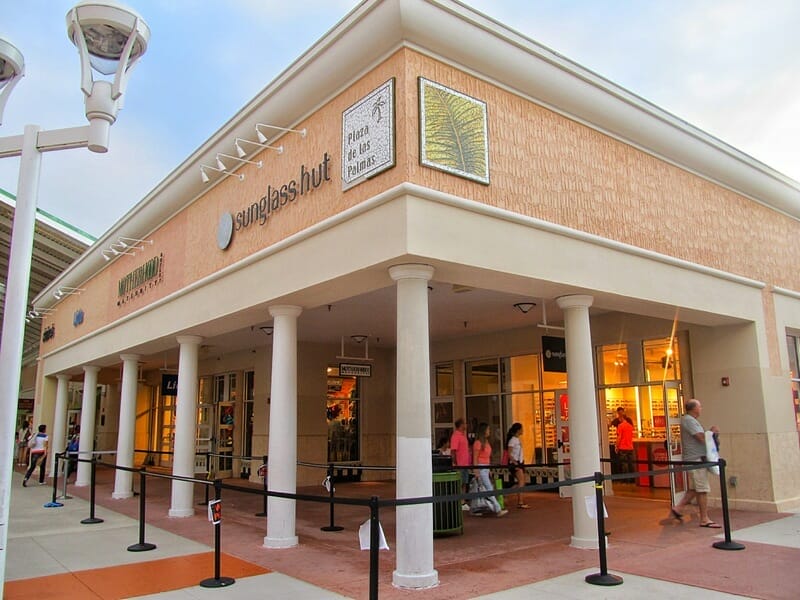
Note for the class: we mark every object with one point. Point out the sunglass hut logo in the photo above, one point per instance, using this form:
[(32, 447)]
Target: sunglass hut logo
[(274, 200)]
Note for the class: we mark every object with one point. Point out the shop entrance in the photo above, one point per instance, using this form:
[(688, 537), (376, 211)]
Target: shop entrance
[(342, 416), (561, 403), (216, 423), (673, 410)]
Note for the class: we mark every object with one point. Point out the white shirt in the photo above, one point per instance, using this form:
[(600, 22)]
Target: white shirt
[(515, 449)]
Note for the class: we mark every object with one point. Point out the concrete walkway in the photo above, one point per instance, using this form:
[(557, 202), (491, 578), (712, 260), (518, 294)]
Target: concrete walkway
[(526, 554)]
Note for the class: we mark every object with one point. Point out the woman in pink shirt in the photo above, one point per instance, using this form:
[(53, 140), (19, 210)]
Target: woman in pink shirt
[(482, 455)]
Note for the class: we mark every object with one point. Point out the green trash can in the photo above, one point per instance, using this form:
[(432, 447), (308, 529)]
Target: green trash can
[(447, 516)]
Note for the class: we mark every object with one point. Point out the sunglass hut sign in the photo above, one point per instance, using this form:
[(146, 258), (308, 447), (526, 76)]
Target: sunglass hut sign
[(276, 198)]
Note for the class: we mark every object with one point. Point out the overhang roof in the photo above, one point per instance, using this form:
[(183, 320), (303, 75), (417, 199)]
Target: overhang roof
[(495, 52), (56, 245)]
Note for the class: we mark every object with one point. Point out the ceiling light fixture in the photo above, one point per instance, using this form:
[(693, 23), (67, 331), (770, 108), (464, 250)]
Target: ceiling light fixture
[(263, 139), (268, 329), (359, 338), (242, 153), (524, 307)]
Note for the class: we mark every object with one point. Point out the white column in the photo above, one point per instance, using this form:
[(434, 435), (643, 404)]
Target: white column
[(584, 439), (185, 429), (283, 428), (88, 414), (58, 441), (414, 568), (123, 480)]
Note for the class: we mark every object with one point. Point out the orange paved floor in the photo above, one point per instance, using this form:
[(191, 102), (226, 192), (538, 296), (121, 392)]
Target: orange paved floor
[(126, 581)]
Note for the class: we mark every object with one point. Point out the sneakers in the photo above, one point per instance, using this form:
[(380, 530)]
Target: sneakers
[(25, 482), (42, 483), (465, 507), (502, 513)]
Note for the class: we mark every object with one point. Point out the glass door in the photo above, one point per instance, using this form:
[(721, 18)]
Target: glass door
[(205, 427), (166, 438), (225, 395), (341, 413), (562, 441), (673, 408)]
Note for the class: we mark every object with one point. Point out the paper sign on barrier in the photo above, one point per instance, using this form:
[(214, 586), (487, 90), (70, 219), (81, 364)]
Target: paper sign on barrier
[(591, 507), (363, 536)]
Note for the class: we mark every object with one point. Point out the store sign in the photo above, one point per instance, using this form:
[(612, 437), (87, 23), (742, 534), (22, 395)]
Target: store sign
[(368, 136), (354, 370), (274, 200), (169, 385), (49, 333), (554, 351), (138, 281)]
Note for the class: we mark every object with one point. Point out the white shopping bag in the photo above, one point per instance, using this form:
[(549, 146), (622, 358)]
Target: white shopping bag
[(363, 536)]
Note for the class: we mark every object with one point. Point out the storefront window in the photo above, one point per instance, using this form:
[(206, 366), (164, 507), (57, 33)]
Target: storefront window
[(521, 373), (482, 377), (342, 417), (661, 359), (794, 368), (444, 380), (613, 366)]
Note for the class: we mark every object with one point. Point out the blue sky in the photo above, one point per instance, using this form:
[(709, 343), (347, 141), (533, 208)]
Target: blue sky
[(728, 67)]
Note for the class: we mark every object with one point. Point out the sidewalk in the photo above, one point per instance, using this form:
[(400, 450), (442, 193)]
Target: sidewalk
[(526, 554)]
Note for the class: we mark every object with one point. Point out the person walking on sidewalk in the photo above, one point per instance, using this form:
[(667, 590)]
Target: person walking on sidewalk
[(693, 442), (516, 462), (38, 445), (482, 455)]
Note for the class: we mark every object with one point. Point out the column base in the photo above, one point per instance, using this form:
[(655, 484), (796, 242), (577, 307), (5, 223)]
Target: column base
[(121, 495), (280, 543), (415, 582), (584, 543), (180, 512), (81, 483)]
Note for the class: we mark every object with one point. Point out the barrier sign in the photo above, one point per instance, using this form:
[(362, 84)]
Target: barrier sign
[(215, 511), (353, 370)]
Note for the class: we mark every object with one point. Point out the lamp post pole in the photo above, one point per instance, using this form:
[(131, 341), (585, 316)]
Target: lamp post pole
[(100, 29)]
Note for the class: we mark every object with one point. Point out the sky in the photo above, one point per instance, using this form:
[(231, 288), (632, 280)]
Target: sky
[(729, 67)]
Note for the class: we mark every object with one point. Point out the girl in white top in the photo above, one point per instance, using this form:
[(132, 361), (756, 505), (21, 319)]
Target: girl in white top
[(515, 459)]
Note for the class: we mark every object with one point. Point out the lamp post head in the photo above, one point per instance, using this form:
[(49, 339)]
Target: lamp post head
[(12, 69), (110, 38)]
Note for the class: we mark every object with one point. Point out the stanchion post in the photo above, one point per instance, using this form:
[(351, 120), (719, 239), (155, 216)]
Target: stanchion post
[(67, 462), (374, 547), (142, 546), (53, 503), (727, 543), (262, 471), (331, 491), (217, 581), (603, 577), (92, 519)]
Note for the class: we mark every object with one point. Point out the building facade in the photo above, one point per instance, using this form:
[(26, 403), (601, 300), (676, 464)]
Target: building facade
[(450, 229)]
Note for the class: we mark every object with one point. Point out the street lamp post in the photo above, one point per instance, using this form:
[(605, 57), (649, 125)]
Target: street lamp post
[(110, 38)]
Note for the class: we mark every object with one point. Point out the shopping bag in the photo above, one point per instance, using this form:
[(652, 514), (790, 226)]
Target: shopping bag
[(712, 454), (498, 485)]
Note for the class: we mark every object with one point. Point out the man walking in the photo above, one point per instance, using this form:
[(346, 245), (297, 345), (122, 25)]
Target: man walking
[(459, 451), (38, 446), (693, 442)]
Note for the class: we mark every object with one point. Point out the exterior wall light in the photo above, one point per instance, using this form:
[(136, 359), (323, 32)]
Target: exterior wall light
[(12, 69)]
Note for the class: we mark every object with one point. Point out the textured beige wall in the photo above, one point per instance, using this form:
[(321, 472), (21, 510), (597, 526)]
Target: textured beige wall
[(541, 164)]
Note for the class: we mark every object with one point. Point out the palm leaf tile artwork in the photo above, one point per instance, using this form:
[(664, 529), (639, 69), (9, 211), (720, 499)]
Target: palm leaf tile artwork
[(454, 136)]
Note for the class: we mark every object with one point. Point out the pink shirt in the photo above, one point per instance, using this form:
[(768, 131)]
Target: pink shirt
[(483, 453), (459, 448)]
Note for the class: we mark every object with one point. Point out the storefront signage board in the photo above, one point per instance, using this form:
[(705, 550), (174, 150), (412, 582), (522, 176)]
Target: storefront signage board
[(354, 370), (169, 384), (368, 139), (554, 352)]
